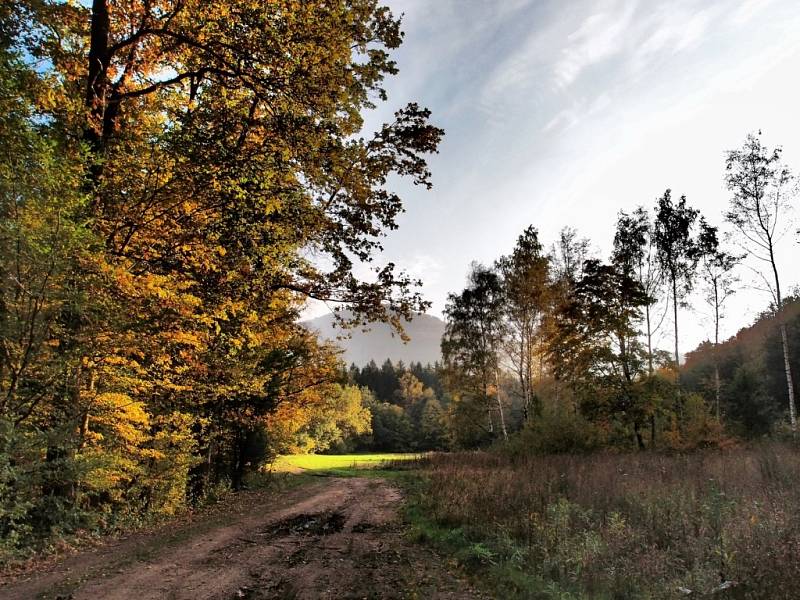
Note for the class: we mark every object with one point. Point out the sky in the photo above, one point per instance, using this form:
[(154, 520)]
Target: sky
[(565, 112)]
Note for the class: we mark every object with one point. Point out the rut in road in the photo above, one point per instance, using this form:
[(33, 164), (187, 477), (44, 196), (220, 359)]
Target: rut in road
[(338, 538)]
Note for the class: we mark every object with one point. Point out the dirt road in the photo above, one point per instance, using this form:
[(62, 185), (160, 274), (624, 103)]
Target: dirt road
[(335, 538)]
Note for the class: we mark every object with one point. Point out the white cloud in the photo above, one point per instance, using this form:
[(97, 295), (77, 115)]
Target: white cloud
[(747, 10), (422, 266), (600, 36)]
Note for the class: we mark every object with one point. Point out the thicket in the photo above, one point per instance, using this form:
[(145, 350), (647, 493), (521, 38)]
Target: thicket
[(751, 373)]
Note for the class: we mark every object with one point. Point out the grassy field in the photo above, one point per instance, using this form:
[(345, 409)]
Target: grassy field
[(337, 463), (650, 526)]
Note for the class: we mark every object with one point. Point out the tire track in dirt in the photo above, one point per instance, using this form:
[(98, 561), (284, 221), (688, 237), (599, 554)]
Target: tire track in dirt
[(337, 538)]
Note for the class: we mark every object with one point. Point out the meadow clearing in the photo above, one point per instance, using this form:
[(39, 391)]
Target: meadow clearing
[(297, 463), (708, 524)]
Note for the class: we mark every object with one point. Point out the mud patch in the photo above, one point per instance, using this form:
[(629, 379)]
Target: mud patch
[(374, 527), (321, 524)]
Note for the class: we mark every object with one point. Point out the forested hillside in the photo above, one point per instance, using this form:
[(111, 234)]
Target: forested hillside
[(751, 372), (167, 171)]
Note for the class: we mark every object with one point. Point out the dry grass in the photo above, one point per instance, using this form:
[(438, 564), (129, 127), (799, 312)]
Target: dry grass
[(629, 526)]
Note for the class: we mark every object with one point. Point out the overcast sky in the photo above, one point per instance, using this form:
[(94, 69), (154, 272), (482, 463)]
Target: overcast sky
[(565, 112)]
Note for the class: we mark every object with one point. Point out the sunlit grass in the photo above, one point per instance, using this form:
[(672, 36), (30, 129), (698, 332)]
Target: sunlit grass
[(293, 463)]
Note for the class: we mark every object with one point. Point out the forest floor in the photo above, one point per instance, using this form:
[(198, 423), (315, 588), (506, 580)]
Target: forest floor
[(332, 537)]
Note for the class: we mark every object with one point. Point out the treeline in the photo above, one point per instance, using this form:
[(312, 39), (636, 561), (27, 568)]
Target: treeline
[(408, 407), (568, 338), (177, 179)]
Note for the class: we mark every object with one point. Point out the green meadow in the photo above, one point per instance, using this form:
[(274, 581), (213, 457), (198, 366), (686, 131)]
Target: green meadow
[(295, 463)]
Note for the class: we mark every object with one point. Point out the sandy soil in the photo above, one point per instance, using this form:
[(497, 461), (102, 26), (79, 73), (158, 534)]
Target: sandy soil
[(335, 538)]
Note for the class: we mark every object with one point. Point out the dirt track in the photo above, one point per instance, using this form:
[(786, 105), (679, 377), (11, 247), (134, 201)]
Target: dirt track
[(336, 538)]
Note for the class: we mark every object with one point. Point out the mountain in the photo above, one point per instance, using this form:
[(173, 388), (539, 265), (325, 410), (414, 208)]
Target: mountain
[(379, 342)]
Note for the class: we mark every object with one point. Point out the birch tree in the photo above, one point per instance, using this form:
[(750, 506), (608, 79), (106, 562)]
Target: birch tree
[(471, 342), (762, 188), (718, 282), (525, 279), (567, 257), (676, 252), (634, 250)]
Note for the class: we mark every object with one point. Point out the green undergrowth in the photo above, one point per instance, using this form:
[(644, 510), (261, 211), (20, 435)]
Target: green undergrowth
[(493, 562)]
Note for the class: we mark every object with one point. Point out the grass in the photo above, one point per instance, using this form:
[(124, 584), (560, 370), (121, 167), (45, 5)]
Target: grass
[(340, 464), (616, 526)]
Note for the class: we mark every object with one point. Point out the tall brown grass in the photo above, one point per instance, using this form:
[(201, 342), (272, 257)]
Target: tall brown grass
[(722, 524)]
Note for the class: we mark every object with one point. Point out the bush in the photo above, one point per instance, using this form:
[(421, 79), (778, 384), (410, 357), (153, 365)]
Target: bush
[(558, 432)]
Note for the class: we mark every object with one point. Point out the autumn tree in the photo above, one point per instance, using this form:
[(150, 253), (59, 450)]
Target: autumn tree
[(761, 188), (635, 253), (676, 252), (567, 257), (525, 275), (471, 343), (719, 281), (596, 342), (184, 177), (410, 391)]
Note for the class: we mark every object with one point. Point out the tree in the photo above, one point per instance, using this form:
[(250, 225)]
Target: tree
[(567, 257), (596, 342), (177, 179), (719, 280), (333, 423), (525, 276), (676, 252), (635, 252), (761, 191), (410, 391), (472, 338), (433, 432)]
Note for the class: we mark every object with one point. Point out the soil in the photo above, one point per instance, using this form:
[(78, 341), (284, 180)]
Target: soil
[(333, 538)]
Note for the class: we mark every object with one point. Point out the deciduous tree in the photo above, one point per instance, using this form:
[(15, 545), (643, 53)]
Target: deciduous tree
[(472, 339), (719, 281), (761, 191), (676, 251)]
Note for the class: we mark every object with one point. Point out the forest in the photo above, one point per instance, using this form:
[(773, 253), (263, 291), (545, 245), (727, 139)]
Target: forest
[(179, 179)]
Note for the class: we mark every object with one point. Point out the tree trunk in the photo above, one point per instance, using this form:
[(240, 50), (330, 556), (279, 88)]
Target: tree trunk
[(238, 466), (523, 371), (789, 383), (639, 440), (653, 430), (787, 367), (717, 394), (500, 405), (649, 341), (97, 79), (677, 354), (675, 320)]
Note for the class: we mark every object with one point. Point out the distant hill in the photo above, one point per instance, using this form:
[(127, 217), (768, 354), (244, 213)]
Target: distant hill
[(379, 343)]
